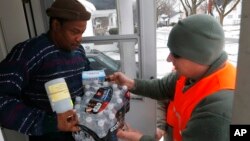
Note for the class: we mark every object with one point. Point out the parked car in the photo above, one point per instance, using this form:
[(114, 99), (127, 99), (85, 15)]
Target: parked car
[(100, 61)]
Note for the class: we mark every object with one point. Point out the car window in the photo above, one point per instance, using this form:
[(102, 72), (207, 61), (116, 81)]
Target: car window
[(114, 65), (95, 65)]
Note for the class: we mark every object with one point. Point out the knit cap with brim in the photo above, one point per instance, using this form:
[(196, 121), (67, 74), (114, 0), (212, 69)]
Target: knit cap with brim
[(199, 38), (68, 10)]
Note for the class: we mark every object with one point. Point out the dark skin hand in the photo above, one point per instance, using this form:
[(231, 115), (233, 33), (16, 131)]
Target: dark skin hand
[(68, 121)]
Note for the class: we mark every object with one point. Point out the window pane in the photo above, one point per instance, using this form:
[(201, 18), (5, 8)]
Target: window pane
[(105, 18), (109, 56), (169, 14)]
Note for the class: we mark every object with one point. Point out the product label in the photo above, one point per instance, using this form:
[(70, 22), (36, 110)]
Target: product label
[(58, 92), (88, 77), (100, 100)]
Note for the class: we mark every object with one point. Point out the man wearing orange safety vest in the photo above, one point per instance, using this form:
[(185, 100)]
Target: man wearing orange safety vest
[(200, 90)]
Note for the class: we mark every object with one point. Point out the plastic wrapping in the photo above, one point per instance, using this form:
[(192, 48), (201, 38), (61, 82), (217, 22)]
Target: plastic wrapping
[(101, 111)]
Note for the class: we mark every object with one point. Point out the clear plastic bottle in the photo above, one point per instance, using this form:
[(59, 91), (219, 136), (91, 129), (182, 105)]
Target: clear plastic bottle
[(111, 108), (77, 107), (105, 84), (101, 128), (88, 93), (78, 100), (100, 115), (118, 104), (102, 122), (118, 94), (115, 87), (89, 121), (78, 136), (112, 119), (59, 95), (96, 85), (86, 97), (124, 89), (86, 87)]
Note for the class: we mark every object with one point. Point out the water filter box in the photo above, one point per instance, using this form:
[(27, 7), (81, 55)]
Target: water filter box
[(59, 96), (89, 77)]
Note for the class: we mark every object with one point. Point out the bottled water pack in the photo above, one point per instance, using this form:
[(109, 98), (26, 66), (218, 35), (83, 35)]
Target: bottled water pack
[(101, 110)]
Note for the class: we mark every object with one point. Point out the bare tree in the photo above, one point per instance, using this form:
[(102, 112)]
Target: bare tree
[(222, 5), (190, 6), (203, 7), (165, 7)]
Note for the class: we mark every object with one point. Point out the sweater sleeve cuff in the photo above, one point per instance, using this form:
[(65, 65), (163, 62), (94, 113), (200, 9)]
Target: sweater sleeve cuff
[(136, 86), (162, 127), (50, 123)]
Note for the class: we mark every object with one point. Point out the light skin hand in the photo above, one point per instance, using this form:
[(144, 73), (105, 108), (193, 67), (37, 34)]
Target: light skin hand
[(121, 79), (159, 133), (129, 134), (67, 121)]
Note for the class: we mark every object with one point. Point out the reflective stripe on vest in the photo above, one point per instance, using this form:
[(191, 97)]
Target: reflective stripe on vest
[(180, 109)]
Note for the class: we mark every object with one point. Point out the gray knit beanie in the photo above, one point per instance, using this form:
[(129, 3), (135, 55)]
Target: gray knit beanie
[(199, 38), (69, 10)]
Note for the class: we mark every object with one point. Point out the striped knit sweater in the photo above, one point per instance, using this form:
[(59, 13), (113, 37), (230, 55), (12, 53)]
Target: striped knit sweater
[(24, 105)]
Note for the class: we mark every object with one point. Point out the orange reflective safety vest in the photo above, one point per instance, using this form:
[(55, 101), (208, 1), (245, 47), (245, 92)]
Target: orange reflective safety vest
[(180, 109)]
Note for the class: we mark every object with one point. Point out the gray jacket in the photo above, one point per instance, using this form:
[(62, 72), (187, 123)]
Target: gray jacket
[(210, 119)]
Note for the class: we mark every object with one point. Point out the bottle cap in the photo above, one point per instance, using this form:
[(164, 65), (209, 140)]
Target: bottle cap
[(111, 116), (88, 93), (124, 87), (77, 106), (101, 123), (119, 100), (105, 83), (88, 119), (78, 98), (87, 86), (114, 86)]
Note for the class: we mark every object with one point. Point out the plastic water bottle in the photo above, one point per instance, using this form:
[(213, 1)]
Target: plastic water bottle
[(105, 121), (105, 84), (78, 100), (89, 121), (111, 108), (96, 85), (87, 88), (115, 87), (77, 107), (86, 98), (101, 128), (118, 94), (59, 95), (124, 89), (118, 104), (112, 119)]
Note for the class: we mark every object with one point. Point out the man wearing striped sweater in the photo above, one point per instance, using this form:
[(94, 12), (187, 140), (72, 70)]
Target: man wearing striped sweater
[(24, 104)]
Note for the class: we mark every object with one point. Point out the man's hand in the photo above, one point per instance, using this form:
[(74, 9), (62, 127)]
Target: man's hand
[(159, 133), (121, 79), (67, 121), (129, 134)]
